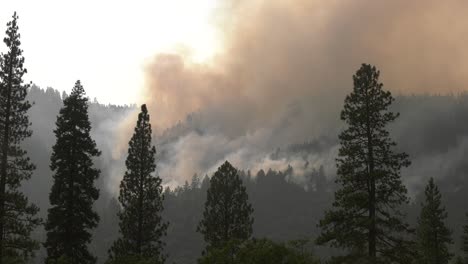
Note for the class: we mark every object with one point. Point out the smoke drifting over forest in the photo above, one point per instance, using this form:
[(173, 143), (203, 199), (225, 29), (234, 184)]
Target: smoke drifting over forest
[(283, 75), (264, 113)]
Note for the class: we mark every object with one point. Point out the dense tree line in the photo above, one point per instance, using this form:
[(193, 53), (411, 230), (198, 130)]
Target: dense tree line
[(294, 216), (232, 210)]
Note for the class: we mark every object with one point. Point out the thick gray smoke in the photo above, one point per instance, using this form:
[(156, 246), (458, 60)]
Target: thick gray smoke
[(283, 75)]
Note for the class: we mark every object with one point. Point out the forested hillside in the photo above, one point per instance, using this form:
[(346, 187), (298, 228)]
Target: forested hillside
[(256, 132), (287, 204)]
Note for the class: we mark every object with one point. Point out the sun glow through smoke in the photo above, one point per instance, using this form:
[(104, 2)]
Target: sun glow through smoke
[(107, 43)]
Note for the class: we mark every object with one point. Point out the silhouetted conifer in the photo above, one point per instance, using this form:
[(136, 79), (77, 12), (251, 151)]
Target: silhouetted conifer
[(366, 219), (228, 213), (141, 226), (71, 216), (433, 236), (17, 216)]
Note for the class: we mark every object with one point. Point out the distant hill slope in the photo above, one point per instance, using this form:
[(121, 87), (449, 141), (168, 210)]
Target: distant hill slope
[(289, 200)]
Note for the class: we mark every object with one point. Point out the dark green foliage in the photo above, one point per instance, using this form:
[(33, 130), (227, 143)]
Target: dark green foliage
[(184, 209), (417, 129), (465, 240), (71, 216), (277, 217), (228, 213), (17, 216), (366, 219), (141, 225), (433, 236), (262, 251)]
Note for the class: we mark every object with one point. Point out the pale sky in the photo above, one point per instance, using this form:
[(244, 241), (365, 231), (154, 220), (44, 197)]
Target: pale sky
[(106, 43)]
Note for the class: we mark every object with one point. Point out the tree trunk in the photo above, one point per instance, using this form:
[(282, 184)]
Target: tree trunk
[(372, 226), (371, 185), (140, 194)]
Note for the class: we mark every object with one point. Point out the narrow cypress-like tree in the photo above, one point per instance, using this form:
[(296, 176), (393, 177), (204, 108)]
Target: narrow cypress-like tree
[(228, 213), (433, 236), (141, 225), (366, 219), (17, 215), (465, 240), (71, 216)]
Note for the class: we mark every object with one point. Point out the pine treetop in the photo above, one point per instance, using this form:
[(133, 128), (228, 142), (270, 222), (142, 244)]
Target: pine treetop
[(366, 218), (141, 225), (17, 216), (71, 216), (433, 235), (228, 213)]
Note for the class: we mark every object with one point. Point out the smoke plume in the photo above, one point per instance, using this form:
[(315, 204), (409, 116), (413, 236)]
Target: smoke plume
[(283, 74)]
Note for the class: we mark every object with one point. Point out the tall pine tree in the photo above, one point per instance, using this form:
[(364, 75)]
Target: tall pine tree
[(141, 225), (228, 213), (433, 236), (366, 219), (71, 216), (17, 216)]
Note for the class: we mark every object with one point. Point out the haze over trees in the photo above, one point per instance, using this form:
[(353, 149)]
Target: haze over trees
[(232, 216), (366, 219), (295, 212), (17, 215), (71, 216), (142, 227)]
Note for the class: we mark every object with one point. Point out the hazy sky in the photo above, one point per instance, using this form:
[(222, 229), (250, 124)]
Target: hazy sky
[(105, 43)]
